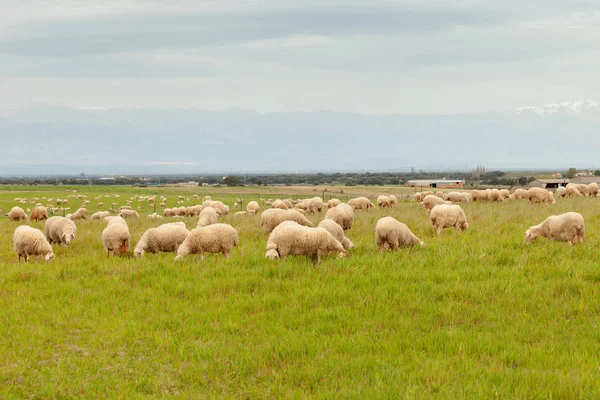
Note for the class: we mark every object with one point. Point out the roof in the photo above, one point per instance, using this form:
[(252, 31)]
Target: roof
[(553, 180), (428, 181), (586, 179)]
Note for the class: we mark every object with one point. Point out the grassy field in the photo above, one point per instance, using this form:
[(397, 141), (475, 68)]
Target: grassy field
[(475, 314)]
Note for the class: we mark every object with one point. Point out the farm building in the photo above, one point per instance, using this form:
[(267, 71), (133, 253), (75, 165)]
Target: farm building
[(549, 183), (587, 180), (437, 183)]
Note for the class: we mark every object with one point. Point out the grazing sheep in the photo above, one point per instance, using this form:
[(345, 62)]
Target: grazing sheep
[(216, 238), (592, 189), (314, 205), (208, 216), (30, 241), (418, 197), (301, 240), (567, 227), (484, 195), (520, 194), (116, 219), (343, 215), (495, 195), (165, 238), (100, 215), (205, 199), (154, 216), (393, 200), (279, 204), (129, 214), (572, 190), (539, 195), (100, 205), (333, 203), (440, 194), (431, 201), (582, 188), (60, 230), (561, 191), (383, 201), (252, 207), (360, 203), (475, 195), (273, 217), (336, 230), (505, 193), (302, 205), (116, 237), (39, 213), (448, 215), (221, 208), (240, 213), (17, 214), (392, 234), (81, 213)]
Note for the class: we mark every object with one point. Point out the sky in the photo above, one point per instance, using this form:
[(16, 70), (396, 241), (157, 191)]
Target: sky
[(376, 57)]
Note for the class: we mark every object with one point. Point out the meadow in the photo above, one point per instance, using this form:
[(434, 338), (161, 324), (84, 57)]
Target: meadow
[(474, 314)]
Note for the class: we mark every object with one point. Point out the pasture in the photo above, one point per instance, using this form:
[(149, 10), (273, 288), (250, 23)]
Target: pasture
[(474, 314)]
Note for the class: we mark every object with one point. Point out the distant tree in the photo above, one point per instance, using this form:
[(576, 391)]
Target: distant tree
[(597, 172), (571, 173), (231, 180)]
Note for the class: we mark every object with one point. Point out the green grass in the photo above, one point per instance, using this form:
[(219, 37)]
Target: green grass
[(475, 314)]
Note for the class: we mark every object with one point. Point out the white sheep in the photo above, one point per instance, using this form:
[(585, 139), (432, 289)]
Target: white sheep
[(252, 207), (495, 195), (279, 204), (100, 215), (301, 240), (116, 236), (360, 203), (81, 213), (165, 238), (392, 234), (154, 216), (592, 189), (129, 214), (272, 217), (30, 241), (567, 227), (333, 202), (221, 208), (314, 205), (505, 193), (216, 238), (383, 201), (572, 190), (342, 214), (336, 230), (539, 195), (17, 214), (475, 196), (520, 194), (431, 201), (208, 216), (448, 215), (60, 230), (561, 191), (39, 213), (393, 200)]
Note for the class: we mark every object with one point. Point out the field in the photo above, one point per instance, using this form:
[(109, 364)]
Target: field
[(473, 314)]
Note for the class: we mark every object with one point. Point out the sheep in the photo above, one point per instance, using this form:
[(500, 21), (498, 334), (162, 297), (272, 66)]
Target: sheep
[(457, 197), (221, 208), (495, 195), (336, 230), (128, 207), (392, 234), (288, 203), (81, 213), (168, 212), (301, 205), (431, 201), (567, 227), (592, 189), (17, 214), (208, 216), (205, 199), (383, 201), (154, 216), (426, 193), (333, 203), (279, 204), (240, 213), (475, 195), (505, 193), (393, 200), (129, 214), (30, 241), (448, 215), (539, 195), (100, 215), (561, 191), (582, 188), (293, 238), (484, 195), (572, 190), (273, 217), (440, 194), (343, 215), (116, 237), (520, 194), (216, 238), (360, 203), (115, 219), (60, 230), (314, 205), (165, 238), (252, 207), (418, 197), (39, 213)]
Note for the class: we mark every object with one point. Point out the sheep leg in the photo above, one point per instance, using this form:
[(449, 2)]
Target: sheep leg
[(319, 253), (226, 254), (19, 259), (438, 230), (201, 256)]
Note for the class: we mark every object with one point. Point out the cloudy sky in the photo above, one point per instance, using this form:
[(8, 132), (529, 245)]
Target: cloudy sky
[(374, 57)]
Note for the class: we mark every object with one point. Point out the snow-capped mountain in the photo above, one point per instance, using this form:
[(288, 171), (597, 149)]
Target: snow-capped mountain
[(564, 108)]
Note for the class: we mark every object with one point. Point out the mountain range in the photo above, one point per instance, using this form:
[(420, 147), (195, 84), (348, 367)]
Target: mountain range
[(43, 139)]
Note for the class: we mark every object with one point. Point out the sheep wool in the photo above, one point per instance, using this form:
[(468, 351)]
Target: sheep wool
[(116, 237), (100, 215), (383, 201), (129, 214), (333, 203), (80, 214), (360, 203), (592, 189), (17, 214), (39, 213), (336, 230), (391, 234), (60, 230), (567, 227), (208, 216), (448, 215), (165, 238), (28, 241), (272, 217), (343, 215), (252, 207), (216, 238), (561, 191), (430, 201), (539, 195), (314, 205)]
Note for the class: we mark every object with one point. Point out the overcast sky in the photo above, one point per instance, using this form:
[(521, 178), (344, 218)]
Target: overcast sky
[(373, 57)]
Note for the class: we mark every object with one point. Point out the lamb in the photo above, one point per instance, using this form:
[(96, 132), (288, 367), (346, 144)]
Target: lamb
[(30, 241), (336, 230), (360, 203), (333, 203), (39, 213), (252, 207), (343, 215), (129, 214), (81, 213), (273, 217), (592, 189), (17, 214), (60, 230), (392, 234), (116, 237), (520, 194), (539, 195), (301, 240), (208, 216), (216, 238), (165, 238), (279, 204), (561, 191), (383, 201), (567, 227), (431, 201), (100, 215), (448, 215), (572, 190), (314, 205)]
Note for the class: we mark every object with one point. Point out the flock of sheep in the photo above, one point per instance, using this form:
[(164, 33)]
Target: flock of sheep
[(290, 231)]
